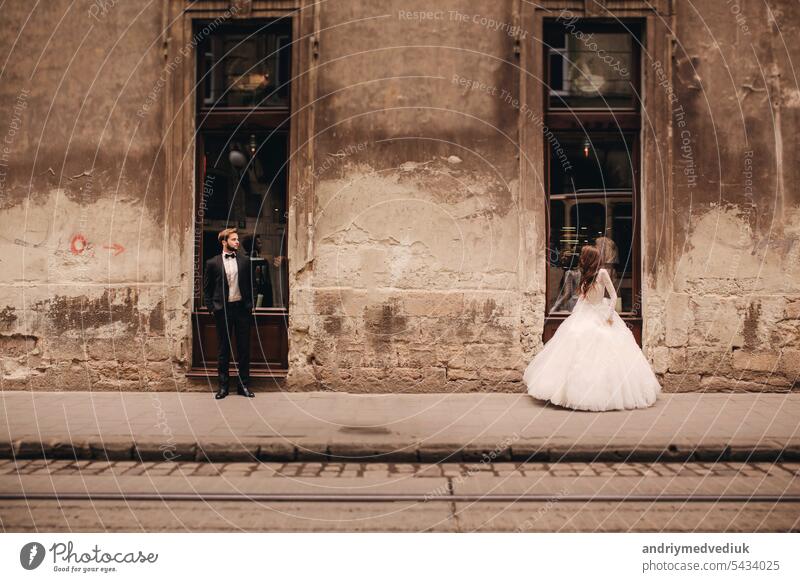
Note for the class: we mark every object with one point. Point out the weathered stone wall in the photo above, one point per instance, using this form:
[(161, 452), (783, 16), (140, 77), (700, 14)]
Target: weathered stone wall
[(422, 245), (416, 229), (84, 302), (730, 319), (417, 281)]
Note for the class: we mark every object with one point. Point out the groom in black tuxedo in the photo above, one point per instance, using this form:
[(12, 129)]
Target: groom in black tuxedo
[(228, 294)]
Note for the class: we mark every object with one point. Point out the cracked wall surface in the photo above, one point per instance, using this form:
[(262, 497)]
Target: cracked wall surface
[(728, 316), (420, 275), (85, 304), (417, 244)]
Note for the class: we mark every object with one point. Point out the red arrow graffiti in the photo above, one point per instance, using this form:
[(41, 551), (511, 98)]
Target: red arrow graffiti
[(116, 248)]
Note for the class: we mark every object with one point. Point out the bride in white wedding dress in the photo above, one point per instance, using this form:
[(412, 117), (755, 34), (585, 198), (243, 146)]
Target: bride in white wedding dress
[(593, 362)]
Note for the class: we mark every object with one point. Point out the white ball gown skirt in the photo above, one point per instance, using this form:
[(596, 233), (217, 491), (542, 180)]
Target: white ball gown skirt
[(591, 365)]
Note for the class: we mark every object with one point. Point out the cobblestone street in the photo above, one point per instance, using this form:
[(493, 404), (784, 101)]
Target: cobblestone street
[(340, 462), (131, 496), (397, 470)]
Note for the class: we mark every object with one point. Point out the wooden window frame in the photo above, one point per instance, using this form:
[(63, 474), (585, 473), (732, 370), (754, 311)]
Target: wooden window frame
[(656, 227), (179, 118), (599, 122), (219, 120), (269, 322)]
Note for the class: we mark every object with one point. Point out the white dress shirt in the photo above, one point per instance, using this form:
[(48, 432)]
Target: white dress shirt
[(232, 273)]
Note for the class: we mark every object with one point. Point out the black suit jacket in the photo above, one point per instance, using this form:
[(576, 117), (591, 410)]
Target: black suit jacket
[(215, 283)]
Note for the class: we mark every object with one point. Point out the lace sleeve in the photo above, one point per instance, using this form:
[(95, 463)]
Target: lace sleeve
[(605, 279)]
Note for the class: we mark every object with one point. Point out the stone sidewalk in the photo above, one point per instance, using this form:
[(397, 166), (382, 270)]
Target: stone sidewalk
[(326, 426)]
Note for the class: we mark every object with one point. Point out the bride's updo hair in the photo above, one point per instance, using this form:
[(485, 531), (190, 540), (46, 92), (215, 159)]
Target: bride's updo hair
[(588, 264)]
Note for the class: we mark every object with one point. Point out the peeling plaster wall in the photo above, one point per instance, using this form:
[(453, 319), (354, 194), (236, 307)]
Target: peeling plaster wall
[(83, 300), (730, 318), (418, 281), (420, 276), (415, 280)]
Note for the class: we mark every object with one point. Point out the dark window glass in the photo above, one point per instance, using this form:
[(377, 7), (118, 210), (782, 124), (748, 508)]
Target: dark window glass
[(592, 75), (556, 73), (556, 220), (246, 65), (244, 186), (590, 163), (602, 221)]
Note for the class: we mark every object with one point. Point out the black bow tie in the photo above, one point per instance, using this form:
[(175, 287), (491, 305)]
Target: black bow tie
[(230, 256)]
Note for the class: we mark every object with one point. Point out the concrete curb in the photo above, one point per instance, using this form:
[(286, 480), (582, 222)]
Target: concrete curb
[(283, 451)]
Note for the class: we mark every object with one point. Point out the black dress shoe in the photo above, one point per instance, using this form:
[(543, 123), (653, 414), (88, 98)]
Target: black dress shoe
[(221, 393), (245, 391)]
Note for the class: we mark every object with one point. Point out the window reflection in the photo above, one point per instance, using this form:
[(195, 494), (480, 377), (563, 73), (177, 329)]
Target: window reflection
[(605, 221), (595, 162), (244, 186), (246, 66), (592, 69), (589, 69)]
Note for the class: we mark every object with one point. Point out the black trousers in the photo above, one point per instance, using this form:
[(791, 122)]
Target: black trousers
[(233, 322)]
